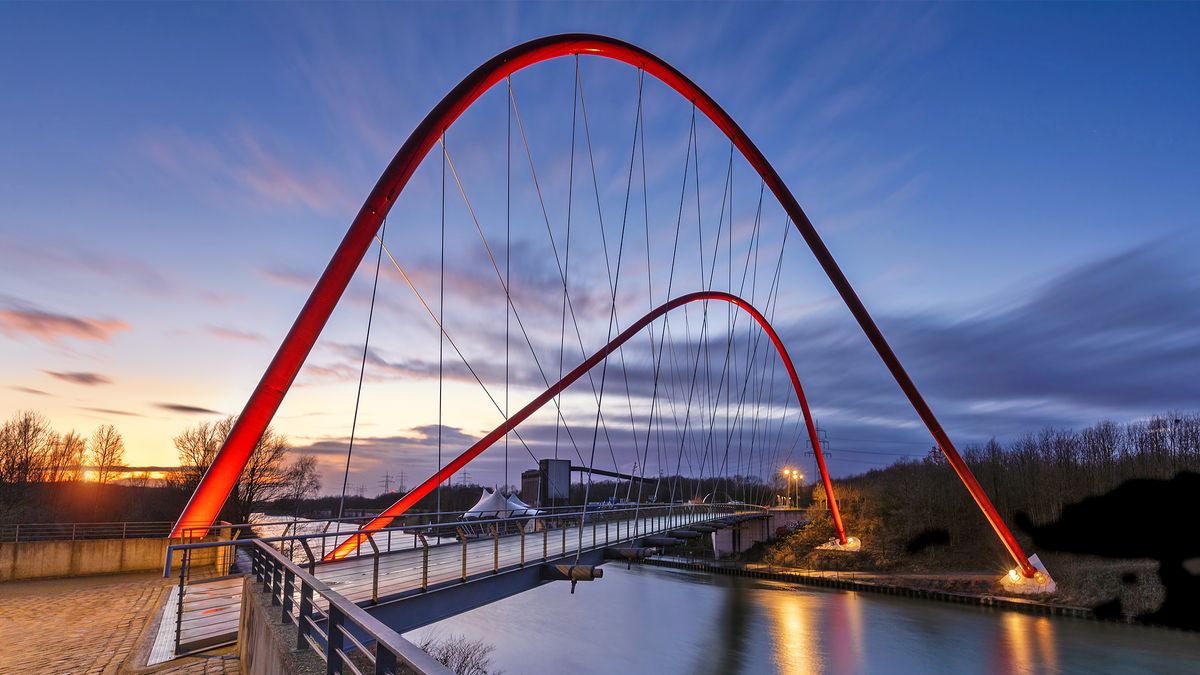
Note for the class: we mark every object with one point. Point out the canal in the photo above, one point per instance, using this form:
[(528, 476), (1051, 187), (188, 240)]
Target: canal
[(655, 620)]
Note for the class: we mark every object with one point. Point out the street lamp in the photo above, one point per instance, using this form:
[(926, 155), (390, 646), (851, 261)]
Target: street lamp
[(790, 475)]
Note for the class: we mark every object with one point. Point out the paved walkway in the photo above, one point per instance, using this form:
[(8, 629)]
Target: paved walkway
[(86, 625)]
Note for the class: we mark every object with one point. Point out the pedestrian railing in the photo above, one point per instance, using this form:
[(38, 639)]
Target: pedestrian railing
[(25, 532), (343, 634), (535, 539)]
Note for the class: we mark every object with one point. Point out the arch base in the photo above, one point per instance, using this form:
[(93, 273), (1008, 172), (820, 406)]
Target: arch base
[(852, 545), (1041, 583)]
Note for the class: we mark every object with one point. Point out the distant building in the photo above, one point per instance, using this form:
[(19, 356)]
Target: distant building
[(531, 485)]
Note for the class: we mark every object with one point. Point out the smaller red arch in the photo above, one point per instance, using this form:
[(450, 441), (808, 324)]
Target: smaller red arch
[(416, 494)]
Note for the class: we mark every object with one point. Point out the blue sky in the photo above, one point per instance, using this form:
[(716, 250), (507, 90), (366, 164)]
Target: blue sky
[(1013, 189)]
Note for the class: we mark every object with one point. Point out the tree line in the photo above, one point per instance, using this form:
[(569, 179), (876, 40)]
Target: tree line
[(1035, 474), (47, 475), (31, 451)]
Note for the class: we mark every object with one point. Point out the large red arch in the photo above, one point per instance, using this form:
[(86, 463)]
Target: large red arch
[(205, 504), (416, 494)]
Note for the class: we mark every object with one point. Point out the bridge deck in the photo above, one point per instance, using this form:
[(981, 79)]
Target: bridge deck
[(212, 608)]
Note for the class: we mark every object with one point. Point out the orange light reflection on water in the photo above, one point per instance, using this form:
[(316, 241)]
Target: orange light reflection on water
[(794, 632)]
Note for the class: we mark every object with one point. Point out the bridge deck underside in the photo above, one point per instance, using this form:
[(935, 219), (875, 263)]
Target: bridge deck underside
[(212, 608)]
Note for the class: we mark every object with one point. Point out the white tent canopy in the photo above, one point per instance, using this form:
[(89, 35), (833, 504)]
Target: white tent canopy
[(519, 509), (492, 504)]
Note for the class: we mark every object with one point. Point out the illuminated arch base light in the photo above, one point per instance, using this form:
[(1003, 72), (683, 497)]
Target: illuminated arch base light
[(852, 545), (1041, 583)]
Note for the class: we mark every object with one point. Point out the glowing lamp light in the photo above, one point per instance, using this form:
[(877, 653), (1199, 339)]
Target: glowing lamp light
[(1014, 575)]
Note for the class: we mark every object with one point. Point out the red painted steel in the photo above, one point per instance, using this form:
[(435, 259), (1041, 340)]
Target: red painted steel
[(214, 488), (416, 494)]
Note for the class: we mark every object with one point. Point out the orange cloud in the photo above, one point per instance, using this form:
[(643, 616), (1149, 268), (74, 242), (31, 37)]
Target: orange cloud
[(51, 327)]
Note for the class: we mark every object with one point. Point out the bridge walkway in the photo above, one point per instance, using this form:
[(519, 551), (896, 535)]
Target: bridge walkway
[(211, 608)]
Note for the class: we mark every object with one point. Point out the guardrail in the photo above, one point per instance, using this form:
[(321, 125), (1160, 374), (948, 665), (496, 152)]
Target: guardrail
[(19, 532), (329, 631), (542, 537)]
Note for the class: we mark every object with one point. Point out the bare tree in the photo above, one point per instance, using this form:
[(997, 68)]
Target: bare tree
[(107, 452), (196, 447), (301, 480), (25, 445), (264, 477), (65, 460), (461, 655)]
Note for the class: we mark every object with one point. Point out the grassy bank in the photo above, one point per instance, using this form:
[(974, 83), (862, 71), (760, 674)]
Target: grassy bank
[(915, 517)]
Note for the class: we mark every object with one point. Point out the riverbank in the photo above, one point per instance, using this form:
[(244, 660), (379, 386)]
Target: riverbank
[(879, 583)]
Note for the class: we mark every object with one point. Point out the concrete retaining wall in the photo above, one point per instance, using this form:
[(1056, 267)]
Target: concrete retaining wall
[(42, 559), (266, 646)]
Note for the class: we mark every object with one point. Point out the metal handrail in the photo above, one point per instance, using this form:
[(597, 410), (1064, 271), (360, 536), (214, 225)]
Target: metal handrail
[(281, 577), (656, 519), (414, 529), (26, 532)]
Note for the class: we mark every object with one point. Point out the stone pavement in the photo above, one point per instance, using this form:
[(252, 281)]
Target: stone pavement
[(88, 625)]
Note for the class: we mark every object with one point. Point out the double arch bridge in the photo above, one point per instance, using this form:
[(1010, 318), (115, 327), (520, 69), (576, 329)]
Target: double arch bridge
[(369, 226)]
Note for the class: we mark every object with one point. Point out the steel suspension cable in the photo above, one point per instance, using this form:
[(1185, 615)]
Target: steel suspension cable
[(361, 374), (612, 315)]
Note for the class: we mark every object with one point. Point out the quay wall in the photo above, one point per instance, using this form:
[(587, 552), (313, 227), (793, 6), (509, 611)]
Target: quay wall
[(84, 557)]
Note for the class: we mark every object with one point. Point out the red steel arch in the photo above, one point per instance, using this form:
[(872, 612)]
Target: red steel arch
[(205, 504), (409, 500)]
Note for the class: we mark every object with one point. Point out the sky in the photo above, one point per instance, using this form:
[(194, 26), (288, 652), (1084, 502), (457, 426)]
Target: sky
[(1013, 190)]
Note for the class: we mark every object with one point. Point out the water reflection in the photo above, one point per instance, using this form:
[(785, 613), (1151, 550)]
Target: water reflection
[(649, 620), (794, 633), (1024, 644)]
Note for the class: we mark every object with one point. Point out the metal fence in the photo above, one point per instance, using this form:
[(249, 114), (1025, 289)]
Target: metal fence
[(19, 532), (326, 622), (464, 549)]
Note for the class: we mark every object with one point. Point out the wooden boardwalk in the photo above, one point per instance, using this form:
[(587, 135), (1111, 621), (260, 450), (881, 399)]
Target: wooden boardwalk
[(212, 607)]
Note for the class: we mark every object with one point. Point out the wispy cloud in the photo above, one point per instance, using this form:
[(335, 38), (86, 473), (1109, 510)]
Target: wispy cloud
[(241, 165), (30, 390), (186, 409), (111, 411), (77, 377), (66, 257), (50, 327), (234, 334)]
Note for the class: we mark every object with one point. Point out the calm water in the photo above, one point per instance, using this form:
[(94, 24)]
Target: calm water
[(653, 620)]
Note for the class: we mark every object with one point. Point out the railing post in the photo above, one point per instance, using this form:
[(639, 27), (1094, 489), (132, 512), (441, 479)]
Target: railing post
[(424, 563), (72, 531), (496, 548), (312, 562), (336, 642), (289, 588), (268, 572), (385, 660), (302, 619), (464, 556), (545, 541), (183, 560), (374, 570), (276, 583), (606, 532), (564, 539)]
